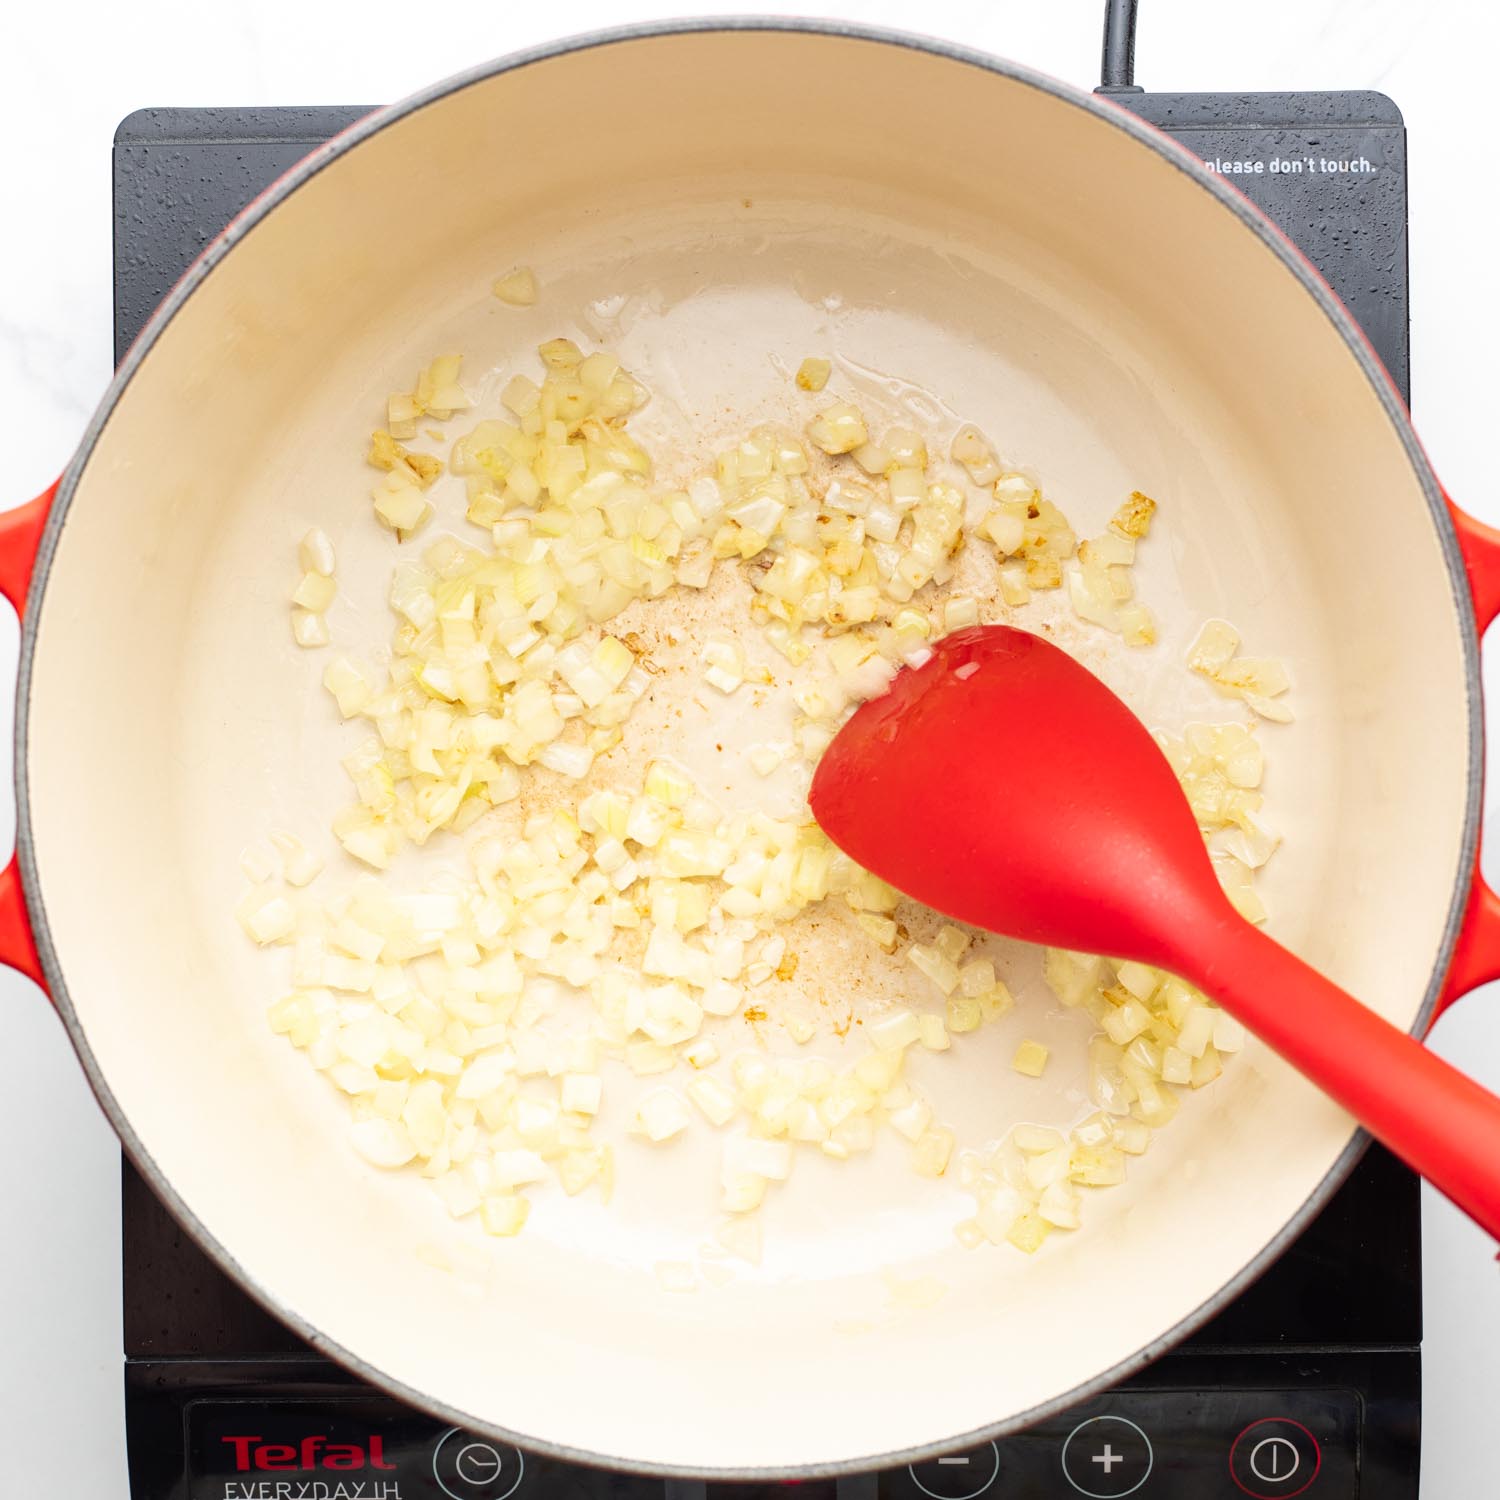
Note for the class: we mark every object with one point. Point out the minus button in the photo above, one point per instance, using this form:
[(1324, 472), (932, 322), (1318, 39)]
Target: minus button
[(958, 1476)]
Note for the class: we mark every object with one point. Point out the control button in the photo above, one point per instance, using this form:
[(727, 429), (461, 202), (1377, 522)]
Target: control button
[(958, 1476), (469, 1467), (1275, 1458), (1107, 1457)]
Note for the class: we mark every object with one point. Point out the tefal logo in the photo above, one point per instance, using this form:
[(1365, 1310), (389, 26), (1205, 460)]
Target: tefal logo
[(254, 1454)]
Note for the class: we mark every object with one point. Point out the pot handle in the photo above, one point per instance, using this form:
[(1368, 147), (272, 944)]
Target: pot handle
[(20, 536), (1476, 955)]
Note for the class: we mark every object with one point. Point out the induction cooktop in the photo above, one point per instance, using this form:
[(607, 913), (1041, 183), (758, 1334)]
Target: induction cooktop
[(1308, 1384)]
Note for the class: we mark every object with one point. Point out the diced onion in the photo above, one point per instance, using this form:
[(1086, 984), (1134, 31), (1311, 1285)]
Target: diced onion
[(267, 917), (382, 1143), (838, 428), (504, 1214), (625, 925), (661, 1114), (299, 865), (895, 1031), (581, 1093), (713, 1098), (309, 629), (314, 593), (1030, 1058), (517, 287), (813, 373), (1257, 681), (315, 553)]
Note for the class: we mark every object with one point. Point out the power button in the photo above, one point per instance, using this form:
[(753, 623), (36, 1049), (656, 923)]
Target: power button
[(1275, 1458)]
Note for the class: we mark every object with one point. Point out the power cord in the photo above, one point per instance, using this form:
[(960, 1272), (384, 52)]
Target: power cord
[(1117, 68)]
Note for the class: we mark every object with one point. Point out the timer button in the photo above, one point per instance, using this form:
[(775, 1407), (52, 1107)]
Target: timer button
[(1275, 1458), (469, 1467)]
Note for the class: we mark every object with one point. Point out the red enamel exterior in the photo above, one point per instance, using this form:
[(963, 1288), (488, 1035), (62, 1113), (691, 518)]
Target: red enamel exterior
[(1476, 954), (20, 536)]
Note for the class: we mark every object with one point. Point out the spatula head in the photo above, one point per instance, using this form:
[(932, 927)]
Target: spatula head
[(1003, 784)]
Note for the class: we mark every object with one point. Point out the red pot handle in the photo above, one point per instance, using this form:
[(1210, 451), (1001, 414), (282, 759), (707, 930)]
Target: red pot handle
[(1476, 955), (20, 536)]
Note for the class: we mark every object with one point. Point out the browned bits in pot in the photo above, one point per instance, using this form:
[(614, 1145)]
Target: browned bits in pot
[(1043, 572), (386, 453), (1133, 519)]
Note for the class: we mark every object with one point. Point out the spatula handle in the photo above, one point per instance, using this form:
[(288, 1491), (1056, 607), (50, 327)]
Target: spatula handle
[(1436, 1119)]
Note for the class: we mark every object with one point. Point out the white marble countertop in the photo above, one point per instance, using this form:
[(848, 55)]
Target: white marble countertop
[(74, 72)]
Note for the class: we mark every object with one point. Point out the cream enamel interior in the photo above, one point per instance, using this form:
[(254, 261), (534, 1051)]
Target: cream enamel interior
[(710, 204)]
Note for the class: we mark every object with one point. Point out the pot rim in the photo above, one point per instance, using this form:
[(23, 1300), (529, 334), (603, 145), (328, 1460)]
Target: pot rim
[(370, 125)]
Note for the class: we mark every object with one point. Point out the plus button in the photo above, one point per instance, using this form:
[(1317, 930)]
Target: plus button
[(1108, 1459)]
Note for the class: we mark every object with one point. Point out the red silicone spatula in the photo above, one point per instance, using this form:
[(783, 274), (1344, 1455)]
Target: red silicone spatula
[(1003, 784)]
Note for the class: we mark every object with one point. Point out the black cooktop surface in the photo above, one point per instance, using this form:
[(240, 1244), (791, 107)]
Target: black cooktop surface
[(1308, 1383)]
